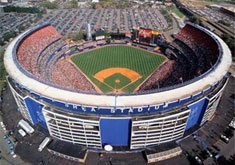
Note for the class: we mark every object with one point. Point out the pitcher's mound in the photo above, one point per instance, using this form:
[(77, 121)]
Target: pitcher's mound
[(117, 81)]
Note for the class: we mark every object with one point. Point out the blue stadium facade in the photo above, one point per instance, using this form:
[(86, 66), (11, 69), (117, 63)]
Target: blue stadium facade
[(135, 121)]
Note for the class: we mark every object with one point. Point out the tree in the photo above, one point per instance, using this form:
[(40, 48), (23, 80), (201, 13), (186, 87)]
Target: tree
[(74, 3), (224, 23), (20, 28), (77, 36), (226, 37), (49, 5), (21, 9), (194, 19), (164, 11), (2, 68), (118, 31), (93, 6), (230, 41), (1, 42), (1, 54), (106, 34), (8, 35)]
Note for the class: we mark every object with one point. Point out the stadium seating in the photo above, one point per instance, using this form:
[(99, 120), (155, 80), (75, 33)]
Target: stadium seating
[(50, 49), (196, 53), (202, 44), (66, 75), (53, 50), (41, 53), (159, 74), (187, 57), (31, 47)]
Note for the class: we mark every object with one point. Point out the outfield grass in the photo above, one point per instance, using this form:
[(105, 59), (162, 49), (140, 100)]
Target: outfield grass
[(140, 61)]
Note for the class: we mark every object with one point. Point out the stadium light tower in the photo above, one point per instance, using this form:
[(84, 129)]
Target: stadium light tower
[(89, 37)]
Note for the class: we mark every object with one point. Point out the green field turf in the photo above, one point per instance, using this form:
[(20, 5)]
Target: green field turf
[(140, 61)]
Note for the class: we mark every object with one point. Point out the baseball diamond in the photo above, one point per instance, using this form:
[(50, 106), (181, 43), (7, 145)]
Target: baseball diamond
[(118, 67)]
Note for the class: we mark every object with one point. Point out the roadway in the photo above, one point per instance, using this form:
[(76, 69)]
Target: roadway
[(175, 29)]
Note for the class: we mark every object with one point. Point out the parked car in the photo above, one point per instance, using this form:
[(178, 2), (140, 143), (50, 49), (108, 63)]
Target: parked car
[(3, 126), (224, 138), (198, 159), (5, 137), (14, 141), (22, 132), (13, 154), (217, 156), (209, 153), (232, 124), (229, 132)]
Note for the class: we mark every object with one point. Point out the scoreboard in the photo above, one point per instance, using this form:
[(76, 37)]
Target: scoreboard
[(144, 36)]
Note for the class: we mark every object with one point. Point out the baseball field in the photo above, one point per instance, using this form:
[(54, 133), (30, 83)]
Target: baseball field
[(117, 68)]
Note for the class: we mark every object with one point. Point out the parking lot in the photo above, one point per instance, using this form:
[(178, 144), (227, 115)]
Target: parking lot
[(10, 21), (75, 20)]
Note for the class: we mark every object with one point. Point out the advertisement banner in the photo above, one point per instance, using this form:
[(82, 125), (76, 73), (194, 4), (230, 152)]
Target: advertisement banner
[(145, 33), (155, 32)]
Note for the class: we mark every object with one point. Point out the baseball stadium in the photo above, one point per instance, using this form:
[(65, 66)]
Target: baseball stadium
[(124, 94)]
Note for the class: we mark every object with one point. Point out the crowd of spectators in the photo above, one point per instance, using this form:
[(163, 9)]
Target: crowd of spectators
[(202, 45), (47, 52), (176, 76), (161, 73), (65, 74), (101, 42), (87, 45), (33, 45), (194, 53), (186, 56), (46, 66), (41, 54)]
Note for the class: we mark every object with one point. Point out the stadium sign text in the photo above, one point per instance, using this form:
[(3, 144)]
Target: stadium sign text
[(127, 110)]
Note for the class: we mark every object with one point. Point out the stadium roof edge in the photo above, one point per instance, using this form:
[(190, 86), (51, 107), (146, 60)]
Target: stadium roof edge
[(47, 90)]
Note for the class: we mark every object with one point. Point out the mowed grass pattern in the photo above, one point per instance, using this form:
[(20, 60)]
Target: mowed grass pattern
[(135, 59)]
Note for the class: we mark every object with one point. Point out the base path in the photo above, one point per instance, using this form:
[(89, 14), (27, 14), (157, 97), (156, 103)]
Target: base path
[(131, 74)]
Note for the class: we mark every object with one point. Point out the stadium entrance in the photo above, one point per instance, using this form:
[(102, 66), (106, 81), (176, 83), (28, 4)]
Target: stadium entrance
[(116, 131)]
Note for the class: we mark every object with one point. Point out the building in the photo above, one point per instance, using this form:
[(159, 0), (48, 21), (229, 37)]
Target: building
[(133, 121), (99, 35)]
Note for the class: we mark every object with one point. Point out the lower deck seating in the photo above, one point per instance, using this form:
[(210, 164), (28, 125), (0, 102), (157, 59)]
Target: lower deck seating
[(67, 75)]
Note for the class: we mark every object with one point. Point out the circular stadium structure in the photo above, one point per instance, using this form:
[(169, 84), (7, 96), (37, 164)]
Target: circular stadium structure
[(94, 108)]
